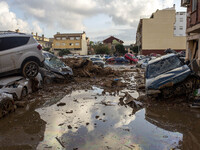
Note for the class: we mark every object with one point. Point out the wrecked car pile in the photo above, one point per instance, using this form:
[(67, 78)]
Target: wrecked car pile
[(85, 68)]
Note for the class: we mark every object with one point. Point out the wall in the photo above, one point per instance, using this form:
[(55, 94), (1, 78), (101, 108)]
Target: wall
[(178, 23), (158, 32)]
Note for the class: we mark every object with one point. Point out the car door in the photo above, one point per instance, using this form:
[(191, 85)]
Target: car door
[(11, 52)]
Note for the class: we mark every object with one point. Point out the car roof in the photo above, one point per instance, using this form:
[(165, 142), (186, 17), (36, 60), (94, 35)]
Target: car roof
[(160, 58), (13, 34)]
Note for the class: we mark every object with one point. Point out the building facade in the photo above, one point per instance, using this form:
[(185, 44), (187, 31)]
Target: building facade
[(157, 33), (44, 42), (193, 31), (111, 42), (180, 24), (75, 42)]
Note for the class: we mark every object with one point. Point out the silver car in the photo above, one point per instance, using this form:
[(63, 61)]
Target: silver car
[(19, 53)]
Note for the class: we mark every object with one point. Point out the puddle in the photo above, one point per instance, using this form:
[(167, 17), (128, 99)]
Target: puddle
[(95, 120), (95, 126)]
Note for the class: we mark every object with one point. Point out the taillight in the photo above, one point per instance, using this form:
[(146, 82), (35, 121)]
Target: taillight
[(39, 47)]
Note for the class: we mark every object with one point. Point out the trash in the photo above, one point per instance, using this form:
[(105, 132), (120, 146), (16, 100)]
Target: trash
[(61, 104), (114, 83), (69, 112)]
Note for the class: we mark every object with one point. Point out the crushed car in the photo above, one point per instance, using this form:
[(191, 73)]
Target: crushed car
[(54, 69), (18, 86), (168, 76)]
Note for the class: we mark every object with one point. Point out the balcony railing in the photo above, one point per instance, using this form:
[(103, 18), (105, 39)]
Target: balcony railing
[(185, 3)]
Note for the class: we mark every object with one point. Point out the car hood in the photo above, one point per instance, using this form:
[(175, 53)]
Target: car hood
[(168, 78)]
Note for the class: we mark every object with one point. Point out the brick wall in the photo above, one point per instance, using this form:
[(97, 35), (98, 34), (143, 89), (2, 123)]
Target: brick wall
[(161, 52)]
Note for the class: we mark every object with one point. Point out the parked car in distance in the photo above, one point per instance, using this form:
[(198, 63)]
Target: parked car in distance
[(97, 61), (18, 86), (19, 53), (54, 68), (140, 57), (131, 57), (166, 72)]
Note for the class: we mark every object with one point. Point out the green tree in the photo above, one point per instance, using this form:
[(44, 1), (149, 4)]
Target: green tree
[(101, 49), (64, 52), (120, 49), (135, 49)]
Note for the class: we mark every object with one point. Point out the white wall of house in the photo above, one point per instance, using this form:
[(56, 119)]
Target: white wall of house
[(180, 24)]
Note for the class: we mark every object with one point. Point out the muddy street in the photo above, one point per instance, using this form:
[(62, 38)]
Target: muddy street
[(89, 114)]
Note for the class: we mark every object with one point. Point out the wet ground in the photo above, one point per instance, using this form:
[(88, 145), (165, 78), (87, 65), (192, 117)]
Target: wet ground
[(94, 119)]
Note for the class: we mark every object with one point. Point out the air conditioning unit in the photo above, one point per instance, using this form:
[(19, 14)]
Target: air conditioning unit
[(185, 3)]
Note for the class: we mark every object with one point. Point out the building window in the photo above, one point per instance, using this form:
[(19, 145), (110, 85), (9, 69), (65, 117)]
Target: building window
[(77, 49), (181, 13), (181, 28), (63, 44), (181, 19), (174, 27), (71, 44), (77, 38), (58, 38), (71, 38), (77, 44), (63, 38), (194, 5), (57, 44)]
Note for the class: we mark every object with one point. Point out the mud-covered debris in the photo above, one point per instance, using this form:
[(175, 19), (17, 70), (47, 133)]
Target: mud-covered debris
[(107, 103), (85, 68), (69, 127), (96, 117), (142, 98), (141, 86), (87, 123), (69, 112), (61, 124), (59, 141), (20, 104), (61, 104), (114, 83), (128, 99)]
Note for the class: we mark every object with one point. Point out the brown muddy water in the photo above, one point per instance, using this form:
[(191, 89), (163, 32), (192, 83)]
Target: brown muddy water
[(95, 120)]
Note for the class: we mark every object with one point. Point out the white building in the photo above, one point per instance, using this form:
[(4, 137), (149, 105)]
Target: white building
[(180, 24)]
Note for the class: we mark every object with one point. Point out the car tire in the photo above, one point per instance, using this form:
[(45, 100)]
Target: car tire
[(30, 69)]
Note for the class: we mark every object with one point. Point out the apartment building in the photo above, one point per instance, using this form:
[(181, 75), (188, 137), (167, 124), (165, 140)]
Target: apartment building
[(193, 31), (75, 42), (180, 24), (44, 41), (161, 31)]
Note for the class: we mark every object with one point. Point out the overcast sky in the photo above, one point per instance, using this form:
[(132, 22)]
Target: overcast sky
[(98, 18)]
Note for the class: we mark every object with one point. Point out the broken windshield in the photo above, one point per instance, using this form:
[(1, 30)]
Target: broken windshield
[(54, 62), (162, 66)]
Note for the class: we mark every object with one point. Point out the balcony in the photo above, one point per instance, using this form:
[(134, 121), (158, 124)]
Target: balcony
[(185, 3)]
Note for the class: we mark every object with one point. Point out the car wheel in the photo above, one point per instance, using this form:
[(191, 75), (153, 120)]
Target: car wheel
[(24, 92), (30, 69)]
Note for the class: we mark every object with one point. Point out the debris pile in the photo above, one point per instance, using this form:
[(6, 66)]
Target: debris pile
[(85, 68)]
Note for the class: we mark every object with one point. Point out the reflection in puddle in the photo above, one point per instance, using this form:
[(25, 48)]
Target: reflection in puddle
[(92, 125)]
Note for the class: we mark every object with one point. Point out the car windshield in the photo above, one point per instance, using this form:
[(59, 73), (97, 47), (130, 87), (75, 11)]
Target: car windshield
[(53, 62), (162, 66)]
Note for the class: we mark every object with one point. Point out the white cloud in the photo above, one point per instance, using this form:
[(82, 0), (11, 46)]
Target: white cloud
[(70, 15), (9, 21)]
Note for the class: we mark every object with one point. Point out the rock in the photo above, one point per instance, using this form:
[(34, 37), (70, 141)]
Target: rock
[(69, 127), (61, 104)]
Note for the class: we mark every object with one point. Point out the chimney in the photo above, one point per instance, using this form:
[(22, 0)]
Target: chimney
[(42, 37)]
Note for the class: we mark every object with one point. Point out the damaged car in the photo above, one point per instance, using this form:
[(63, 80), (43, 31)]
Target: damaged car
[(168, 76), (18, 86), (54, 69)]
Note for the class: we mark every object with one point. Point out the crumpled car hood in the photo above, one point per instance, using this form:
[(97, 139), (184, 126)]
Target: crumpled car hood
[(168, 78)]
